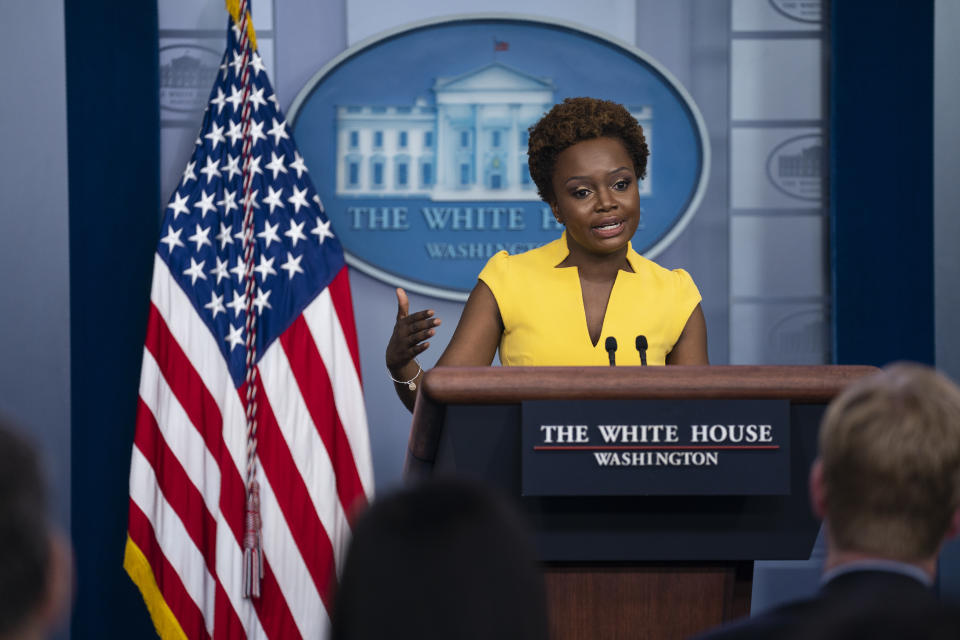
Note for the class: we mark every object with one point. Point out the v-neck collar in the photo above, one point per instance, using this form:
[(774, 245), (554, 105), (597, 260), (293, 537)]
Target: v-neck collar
[(558, 252)]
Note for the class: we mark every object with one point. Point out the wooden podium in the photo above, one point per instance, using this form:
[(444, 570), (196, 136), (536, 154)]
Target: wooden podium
[(653, 566)]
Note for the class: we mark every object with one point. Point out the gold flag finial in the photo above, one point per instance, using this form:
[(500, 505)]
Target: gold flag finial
[(233, 6)]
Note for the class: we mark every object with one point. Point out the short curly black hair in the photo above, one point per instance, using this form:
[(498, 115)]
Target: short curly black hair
[(575, 120)]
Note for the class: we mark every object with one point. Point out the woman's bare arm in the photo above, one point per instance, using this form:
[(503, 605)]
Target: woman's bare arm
[(475, 341), (691, 347)]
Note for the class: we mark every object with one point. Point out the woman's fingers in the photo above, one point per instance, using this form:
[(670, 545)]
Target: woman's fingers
[(409, 333), (420, 348), (420, 321), (420, 336), (403, 304)]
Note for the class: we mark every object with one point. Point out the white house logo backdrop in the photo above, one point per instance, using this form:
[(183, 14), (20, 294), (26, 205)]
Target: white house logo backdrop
[(417, 141)]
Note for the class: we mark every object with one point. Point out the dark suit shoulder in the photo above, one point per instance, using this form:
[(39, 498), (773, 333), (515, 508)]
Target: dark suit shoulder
[(872, 605)]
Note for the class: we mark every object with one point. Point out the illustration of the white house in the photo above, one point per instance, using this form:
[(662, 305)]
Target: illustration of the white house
[(471, 144)]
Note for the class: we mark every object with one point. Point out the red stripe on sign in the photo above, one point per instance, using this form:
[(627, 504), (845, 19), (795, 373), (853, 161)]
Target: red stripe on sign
[(313, 381), (343, 303), (182, 606), (177, 487), (294, 500)]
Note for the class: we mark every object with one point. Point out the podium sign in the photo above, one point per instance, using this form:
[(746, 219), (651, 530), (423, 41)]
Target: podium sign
[(650, 447)]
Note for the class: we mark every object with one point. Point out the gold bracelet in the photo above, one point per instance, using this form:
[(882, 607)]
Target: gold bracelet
[(410, 383)]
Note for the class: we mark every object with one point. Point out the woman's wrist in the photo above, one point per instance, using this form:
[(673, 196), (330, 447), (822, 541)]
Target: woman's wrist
[(406, 375)]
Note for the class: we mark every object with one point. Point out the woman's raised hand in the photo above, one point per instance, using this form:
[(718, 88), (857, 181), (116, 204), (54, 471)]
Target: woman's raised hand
[(407, 342)]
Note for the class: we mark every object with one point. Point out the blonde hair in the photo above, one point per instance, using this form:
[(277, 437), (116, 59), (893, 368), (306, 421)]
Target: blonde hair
[(890, 448)]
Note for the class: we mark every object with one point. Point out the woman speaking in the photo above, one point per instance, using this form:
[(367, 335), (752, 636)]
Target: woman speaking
[(560, 304)]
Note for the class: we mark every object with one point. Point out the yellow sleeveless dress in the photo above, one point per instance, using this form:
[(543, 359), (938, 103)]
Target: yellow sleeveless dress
[(545, 323)]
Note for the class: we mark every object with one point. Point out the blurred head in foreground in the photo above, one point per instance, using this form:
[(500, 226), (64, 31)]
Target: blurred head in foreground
[(444, 559), (35, 565), (887, 482)]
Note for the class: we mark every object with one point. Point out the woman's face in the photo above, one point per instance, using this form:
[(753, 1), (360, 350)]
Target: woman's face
[(595, 187)]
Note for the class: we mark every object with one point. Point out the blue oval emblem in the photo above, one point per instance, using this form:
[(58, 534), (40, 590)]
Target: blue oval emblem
[(417, 141)]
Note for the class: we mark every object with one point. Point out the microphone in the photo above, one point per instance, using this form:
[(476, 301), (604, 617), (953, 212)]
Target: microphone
[(611, 346), (642, 348)]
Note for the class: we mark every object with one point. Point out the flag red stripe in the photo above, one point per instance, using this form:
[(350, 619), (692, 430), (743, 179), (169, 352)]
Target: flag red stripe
[(189, 389), (182, 606), (184, 381), (184, 498), (313, 380), (177, 488), (226, 623), (272, 608), (339, 290), (293, 498)]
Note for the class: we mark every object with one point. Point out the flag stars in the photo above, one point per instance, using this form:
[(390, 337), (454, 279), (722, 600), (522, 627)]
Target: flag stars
[(232, 167), (195, 271), (295, 232), (235, 133), (235, 338), (276, 164), (257, 63), (215, 136), (253, 167), (316, 198), (292, 265), (274, 198), (297, 164), (211, 169), (229, 202), (237, 62), (200, 237), (172, 239), (236, 97), (240, 270), (215, 305), (269, 234), (256, 99), (220, 271), (238, 304), (205, 203), (279, 132), (256, 131), (265, 268), (188, 173), (219, 101), (179, 205), (298, 199), (322, 230), (251, 198), (262, 300), (224, 236)]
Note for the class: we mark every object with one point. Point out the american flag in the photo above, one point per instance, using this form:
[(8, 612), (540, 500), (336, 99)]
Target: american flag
[(188, 475)]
